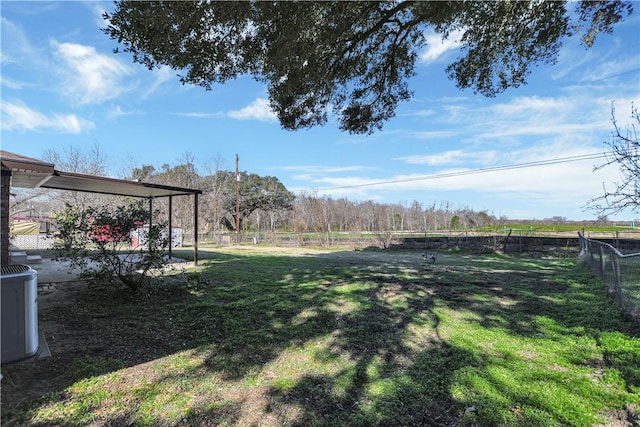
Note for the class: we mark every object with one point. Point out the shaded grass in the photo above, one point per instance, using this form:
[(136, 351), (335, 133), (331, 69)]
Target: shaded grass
[(308, 337)]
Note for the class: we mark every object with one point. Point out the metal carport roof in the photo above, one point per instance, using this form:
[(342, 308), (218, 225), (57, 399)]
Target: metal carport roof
[(27, 172)]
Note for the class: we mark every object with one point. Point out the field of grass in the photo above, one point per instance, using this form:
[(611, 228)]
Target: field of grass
[(267, 336), (543, 229)]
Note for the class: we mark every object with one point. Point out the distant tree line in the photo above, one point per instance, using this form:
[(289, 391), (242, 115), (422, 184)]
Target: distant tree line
[(265, 204)]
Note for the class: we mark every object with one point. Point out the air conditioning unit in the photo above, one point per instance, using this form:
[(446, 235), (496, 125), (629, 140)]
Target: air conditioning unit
[(19, 285)]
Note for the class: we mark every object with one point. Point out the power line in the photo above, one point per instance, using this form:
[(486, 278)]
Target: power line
[(593, 156)]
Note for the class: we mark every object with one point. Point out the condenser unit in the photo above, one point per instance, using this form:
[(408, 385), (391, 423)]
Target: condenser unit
[(19, 284)]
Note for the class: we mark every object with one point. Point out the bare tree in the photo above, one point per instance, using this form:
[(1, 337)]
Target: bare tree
[(416, 220), (300, 220), (29, 202), (623, 150), (72, 159), (382, 225), (212, 208)]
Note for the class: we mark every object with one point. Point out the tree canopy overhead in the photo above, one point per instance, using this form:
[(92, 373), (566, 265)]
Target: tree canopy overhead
[(352, 59)]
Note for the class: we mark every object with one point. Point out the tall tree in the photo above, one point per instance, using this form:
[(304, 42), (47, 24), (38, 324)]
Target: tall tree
[(256, 192), (351, 58), (183, 174)]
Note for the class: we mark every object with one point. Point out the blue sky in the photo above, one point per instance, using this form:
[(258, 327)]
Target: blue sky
[(63, 86)]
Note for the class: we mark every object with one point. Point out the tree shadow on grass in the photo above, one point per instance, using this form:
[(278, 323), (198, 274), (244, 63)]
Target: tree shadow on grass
[(419, 395), (370, 320), (524, 303), (412, 372)]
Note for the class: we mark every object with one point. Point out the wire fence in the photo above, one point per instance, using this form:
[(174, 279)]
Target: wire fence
[(620, 273), (32, 241)]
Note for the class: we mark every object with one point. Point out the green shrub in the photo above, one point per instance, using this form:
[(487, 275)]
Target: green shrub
[(98, 241)]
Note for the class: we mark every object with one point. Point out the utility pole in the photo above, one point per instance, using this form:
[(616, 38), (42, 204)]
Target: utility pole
[(237, 201)]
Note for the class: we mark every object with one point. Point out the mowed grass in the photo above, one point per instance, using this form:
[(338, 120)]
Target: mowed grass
[(309, 337)]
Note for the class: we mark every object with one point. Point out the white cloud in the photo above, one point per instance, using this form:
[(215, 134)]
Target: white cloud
[(531, 117), (98, 11), (594, 65), (258, 109), (117, 111), (11, 83), (532, 104), (199, 115), (420, 113), (160, 76), (433, 134), (5, 59), (436, 47), (92, 77), (318, 174), (450, 157), (325, 169), (613, 69), (525, 188), (15, 44), (563, 184), (514, 182), (18, 117)]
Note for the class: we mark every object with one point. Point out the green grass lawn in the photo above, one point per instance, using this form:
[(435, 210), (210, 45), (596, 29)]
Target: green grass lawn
[(312, 337)]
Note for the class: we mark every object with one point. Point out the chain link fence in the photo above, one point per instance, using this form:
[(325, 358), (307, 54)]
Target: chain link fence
[(619, 272), (29, 241)]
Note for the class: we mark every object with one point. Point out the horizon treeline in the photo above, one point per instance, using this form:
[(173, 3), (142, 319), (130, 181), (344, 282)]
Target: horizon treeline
[(265, 205)]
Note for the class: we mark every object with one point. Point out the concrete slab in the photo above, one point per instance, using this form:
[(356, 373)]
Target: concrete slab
[(51, 271), (34, 259), (16, 257), (43, 352)]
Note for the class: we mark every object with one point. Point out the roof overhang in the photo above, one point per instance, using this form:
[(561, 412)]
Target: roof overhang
[(119, 187), (27, 172)]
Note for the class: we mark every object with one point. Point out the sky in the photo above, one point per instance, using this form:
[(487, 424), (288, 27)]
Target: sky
[(62, 86)]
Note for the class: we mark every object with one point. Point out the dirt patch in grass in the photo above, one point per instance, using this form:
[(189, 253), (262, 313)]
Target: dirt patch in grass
[(626, 417)]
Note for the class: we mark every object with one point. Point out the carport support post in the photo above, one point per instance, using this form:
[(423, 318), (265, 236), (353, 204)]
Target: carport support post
[(150, 218), (4, 217), (150, 212), (170, 225), (195, 229)]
